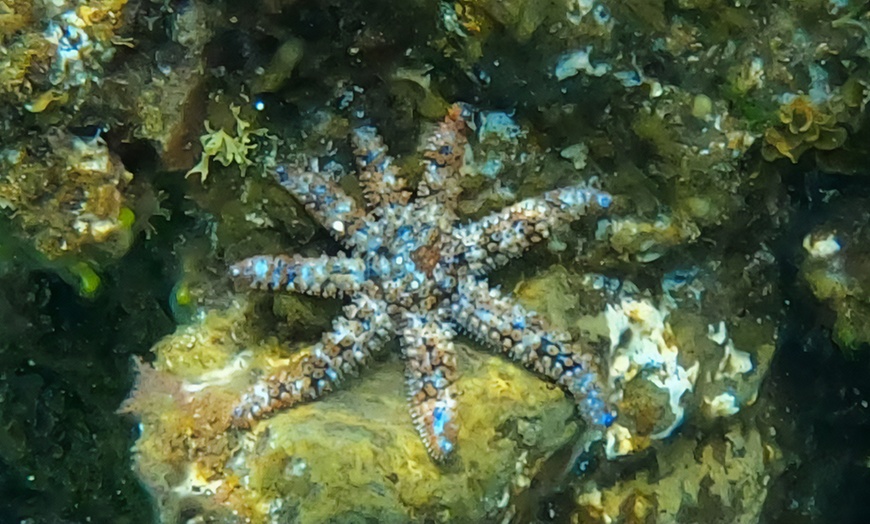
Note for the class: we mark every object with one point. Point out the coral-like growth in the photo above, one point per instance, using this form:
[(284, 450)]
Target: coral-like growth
[(804, 126), (56, 60), (225, 148)]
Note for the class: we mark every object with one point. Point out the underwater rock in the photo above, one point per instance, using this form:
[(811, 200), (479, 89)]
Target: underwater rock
[(666, 358), (352, 456), (193, 438), (69, 198), (690, 357), (170, 114), (662, 100), (836, 269), (167, 95), (723, 478), (702, 168)]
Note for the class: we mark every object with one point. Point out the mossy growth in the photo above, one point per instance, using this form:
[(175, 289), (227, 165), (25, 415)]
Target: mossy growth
[(719, 478), (521, 18), (197, 348), (754, 111), (647, 15), (847, 295)]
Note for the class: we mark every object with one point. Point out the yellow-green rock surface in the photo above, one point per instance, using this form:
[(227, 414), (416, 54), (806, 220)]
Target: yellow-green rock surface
[(351, 457)]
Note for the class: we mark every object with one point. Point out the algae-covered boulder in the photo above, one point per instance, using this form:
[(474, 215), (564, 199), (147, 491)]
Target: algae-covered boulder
[(723, 478), (70, 198), (351, 457), (681, 354)]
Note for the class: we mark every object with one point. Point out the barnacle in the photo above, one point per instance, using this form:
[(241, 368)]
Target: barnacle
[(804, 126)]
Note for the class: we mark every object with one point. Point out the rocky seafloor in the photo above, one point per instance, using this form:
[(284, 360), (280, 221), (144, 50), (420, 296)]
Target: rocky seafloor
[(726, 291)]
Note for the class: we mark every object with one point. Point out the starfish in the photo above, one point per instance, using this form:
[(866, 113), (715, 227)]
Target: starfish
[(412, 269)]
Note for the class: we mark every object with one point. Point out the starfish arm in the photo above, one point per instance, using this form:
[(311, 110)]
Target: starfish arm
[(324, 276), (430, 371), (362, 330), (325, 201), (492, 241), (444, 154), (524, 337), (382, 185)]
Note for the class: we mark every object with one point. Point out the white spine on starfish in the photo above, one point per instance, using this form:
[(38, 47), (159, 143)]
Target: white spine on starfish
[(381, 183), (444, 152)]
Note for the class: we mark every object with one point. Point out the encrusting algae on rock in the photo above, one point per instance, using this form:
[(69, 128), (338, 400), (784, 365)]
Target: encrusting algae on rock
[(351, 456), (835, 268), (731, 475), (71, 201)]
